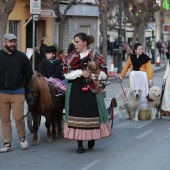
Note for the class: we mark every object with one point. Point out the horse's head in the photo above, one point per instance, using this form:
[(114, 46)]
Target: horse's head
[(31, 98), (38, 95)]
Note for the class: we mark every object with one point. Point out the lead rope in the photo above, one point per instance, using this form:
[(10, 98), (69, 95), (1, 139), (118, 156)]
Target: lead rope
[(122, 89), (124, 94)]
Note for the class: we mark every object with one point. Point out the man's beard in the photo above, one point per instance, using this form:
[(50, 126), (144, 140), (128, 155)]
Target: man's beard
[(11, 49)]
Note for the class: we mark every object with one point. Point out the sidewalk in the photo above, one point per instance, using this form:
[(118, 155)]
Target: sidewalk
[(109, 61)]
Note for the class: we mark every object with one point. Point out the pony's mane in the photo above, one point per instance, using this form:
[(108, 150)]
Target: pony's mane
[(39, 85)]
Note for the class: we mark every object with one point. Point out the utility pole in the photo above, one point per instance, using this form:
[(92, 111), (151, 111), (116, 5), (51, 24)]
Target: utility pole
[(35, 10), (120, 38)]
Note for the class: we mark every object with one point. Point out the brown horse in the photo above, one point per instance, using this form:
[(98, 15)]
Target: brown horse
[(44, 99)]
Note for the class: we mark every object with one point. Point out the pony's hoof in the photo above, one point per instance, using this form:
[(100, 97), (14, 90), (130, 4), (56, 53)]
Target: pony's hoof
[(60, 135), (54, 136), (34, 143), (50, 139)]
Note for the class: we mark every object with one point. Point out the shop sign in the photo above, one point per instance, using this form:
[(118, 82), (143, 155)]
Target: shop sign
[(47, 13)]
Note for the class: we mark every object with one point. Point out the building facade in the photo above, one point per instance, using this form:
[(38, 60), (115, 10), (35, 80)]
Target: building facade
[(83, 17)]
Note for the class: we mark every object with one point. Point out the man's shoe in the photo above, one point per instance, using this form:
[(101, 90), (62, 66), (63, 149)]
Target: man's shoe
[(7, 148), (91, 144), (23, 143)]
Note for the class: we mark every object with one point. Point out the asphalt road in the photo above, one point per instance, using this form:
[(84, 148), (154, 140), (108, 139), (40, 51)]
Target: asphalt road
[(142, 145)]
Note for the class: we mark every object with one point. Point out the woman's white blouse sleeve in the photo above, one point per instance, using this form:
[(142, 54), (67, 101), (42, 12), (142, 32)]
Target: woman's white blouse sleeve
[(167, 72), (73, 75)]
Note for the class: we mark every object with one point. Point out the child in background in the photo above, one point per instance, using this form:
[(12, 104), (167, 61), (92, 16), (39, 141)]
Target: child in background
[(61, 55)]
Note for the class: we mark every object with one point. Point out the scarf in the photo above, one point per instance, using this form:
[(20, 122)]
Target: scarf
[(73, 61), (138, 62)]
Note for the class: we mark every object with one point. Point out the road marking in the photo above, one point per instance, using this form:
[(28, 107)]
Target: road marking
[(144, 134), (91, 164), (132, 124)]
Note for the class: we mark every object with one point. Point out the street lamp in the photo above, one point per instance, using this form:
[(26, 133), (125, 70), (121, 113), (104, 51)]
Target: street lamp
[(120, 38)]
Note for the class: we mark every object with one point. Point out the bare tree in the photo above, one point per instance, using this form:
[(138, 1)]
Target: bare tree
[(6, 7), (54, 5), (138, 13)]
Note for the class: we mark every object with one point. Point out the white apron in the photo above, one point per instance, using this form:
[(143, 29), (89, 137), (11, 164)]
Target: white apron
[(139, 79), (166, 98)]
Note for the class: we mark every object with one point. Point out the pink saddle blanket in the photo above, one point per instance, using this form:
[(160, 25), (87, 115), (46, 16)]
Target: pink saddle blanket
[(59, 84)]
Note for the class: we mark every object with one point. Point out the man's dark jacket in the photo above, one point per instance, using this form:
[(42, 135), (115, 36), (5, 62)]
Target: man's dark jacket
[(15, 70)]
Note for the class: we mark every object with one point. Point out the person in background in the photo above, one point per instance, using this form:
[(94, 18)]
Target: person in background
[(159, 47), (44, 44), (129, 50), (71, 47), (165, 107), (111, 49), (86, 114), (37, 58), (15, 73), (167, 50), (123, 50), (164, 49), (116, 44), (61, 55), (141, 74)]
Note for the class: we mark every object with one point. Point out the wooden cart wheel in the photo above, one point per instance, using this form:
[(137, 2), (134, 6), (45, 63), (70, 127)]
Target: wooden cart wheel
[(30, 122), (111, 112)]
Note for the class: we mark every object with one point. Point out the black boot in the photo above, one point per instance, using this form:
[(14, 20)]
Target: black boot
[(80, 147), (91, 144)]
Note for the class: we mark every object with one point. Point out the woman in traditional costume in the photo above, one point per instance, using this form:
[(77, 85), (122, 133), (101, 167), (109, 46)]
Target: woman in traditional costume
[(140, 76), (165, 107), (86, 114)]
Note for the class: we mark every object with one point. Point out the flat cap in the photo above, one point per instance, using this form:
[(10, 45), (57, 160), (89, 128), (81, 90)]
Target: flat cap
[(50, 49), (9, 37)]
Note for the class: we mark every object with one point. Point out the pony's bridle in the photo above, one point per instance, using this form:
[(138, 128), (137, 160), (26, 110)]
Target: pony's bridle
[(34, 95)]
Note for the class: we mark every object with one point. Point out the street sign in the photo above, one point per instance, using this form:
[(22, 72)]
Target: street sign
[(35, 17), (35, 6), (151, 26)]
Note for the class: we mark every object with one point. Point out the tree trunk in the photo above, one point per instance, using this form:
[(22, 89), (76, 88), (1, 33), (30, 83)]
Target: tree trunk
[(141, 32), (135, 33), (104, 51), (5, 9), (3, 19), (61, 34)]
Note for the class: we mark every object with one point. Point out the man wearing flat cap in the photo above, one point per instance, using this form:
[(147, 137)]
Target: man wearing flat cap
[(15, 73)]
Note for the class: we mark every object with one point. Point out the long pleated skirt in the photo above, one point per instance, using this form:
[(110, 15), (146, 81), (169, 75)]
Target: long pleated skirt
[(86, 117)]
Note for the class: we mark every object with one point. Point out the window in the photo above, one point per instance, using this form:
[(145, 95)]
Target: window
[(13, 27)]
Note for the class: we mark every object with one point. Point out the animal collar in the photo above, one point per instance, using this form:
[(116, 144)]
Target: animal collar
[(149, 99)]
